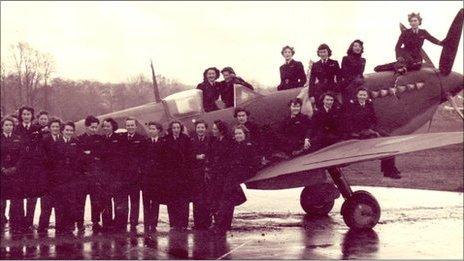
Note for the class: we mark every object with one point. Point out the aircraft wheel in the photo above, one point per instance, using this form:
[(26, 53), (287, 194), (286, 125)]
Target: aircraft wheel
[(361, 210), (312, 203)]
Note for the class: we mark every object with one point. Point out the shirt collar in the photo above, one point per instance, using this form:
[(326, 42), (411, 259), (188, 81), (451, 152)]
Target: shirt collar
[(26, 125), (326, 109), (7, 135)]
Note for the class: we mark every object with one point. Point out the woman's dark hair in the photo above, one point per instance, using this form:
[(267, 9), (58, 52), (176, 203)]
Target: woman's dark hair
[(240, 109), (228, 69), (324, 47), (350, 49), (361, 89), (7, 119), (295, 101), (172, 124), (222, 127), (69, 123), (114, 124), (42, 113), (158, 125), (329, 93), (200, 122), (91, 119), (412, 15), (25, 108), (216, 70), (287, 47), (54, 120)]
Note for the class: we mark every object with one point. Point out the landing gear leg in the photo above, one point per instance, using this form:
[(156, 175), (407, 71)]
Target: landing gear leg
[(360, 209)]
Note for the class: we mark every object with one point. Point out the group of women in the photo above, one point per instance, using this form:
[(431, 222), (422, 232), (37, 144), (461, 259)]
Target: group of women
[(44, 159)]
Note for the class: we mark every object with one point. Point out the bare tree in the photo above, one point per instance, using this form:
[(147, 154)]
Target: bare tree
[(3, 87), (27, 63)]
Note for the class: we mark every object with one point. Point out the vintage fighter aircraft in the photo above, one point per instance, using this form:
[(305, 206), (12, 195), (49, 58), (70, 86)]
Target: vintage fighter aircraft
[(403, 104)]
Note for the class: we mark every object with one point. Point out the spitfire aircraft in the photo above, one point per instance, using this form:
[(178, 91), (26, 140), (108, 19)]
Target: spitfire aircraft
[(403, 104)]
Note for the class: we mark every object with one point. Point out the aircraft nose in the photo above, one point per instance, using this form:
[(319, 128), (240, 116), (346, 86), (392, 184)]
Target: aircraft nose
[(453, 83)]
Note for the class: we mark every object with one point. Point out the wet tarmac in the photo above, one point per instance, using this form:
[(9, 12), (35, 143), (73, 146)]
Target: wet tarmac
[(271, 225)]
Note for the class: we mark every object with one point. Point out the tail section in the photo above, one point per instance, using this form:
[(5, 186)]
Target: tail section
[(451, 44)]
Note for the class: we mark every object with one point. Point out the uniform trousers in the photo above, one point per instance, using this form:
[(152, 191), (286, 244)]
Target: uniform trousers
[(178, 212), (150, 208)]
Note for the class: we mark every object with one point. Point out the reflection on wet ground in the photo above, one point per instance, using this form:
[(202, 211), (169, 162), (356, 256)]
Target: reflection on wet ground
[(411, 228)]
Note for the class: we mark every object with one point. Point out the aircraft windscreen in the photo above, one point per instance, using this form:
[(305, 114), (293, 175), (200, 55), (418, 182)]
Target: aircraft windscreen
[(184, 103), (242, 94)]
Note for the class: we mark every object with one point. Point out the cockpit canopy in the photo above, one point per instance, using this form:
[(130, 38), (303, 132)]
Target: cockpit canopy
[(185, 103)]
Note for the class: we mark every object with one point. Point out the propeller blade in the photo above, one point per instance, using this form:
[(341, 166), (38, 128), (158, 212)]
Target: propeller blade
[(451, 44), (455, 106)]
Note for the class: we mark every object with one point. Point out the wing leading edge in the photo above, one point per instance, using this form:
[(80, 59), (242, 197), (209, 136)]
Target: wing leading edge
[(352, 151)]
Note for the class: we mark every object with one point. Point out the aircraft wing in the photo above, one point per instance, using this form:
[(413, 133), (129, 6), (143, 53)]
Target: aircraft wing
[(352, 151)]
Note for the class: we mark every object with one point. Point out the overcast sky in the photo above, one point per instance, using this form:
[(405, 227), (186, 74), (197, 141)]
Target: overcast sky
[(111, 41)]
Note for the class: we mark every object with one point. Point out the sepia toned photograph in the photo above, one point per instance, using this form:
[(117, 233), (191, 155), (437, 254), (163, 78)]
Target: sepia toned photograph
[(247, 130)]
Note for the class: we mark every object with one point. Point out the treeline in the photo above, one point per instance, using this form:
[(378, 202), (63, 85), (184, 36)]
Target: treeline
[(28, 80)]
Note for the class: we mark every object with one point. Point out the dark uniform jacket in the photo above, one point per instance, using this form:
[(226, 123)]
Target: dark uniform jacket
[(294, 130), (198, 165), (153, 166), (411, 43), (210, 95), (292, 75), (326, 127), (178, 159), (113, 159), (244, 163), (11, 179), (64, 161), (359, 118), (32, 167), (133, 157), (227, 90), (92, 146), (327, 75), (352, 67)]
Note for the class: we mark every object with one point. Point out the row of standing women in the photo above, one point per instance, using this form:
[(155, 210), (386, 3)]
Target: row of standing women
[(172, 169)]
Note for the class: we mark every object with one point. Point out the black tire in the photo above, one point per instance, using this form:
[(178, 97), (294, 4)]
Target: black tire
[(361, 211), (313, 204)]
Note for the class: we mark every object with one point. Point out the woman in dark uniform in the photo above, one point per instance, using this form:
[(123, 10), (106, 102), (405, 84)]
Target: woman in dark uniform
[(66, 178), (32, 167), (11, 153), (200, 149), (292, 74), (325, 75), (361, 123), (352, 70), (408, 48), (217, 165), (325, 127), (210, 88), (152, 172), (178, 159), (113, 159), (47, 201), (294, 130), (243, 164)]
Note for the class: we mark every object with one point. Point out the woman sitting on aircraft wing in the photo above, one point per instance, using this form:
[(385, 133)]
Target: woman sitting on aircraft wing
[(361, 123), (408, 48)]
